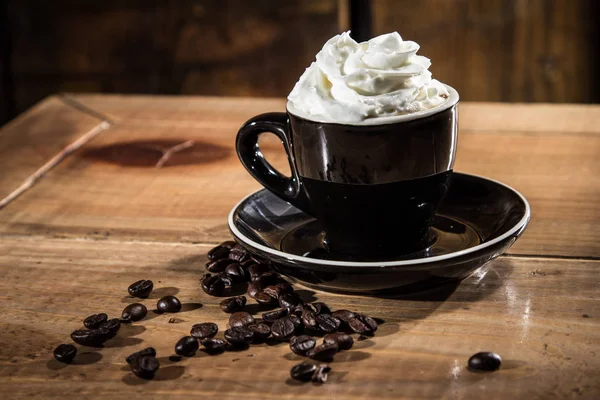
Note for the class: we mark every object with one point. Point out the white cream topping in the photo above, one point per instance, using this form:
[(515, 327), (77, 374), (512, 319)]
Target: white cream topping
[(350, 81)]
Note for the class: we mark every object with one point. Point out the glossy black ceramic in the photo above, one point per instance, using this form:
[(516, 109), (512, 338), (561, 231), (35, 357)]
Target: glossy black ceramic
[(478, 220), (363, 183)]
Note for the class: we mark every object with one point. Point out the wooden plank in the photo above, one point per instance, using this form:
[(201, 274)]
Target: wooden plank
[(112, 186), (541, 315)]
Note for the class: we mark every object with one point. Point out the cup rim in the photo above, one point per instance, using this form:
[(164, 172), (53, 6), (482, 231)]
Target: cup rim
[(451, 101)]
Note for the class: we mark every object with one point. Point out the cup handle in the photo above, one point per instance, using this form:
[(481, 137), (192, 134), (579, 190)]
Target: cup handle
[(248, 150)]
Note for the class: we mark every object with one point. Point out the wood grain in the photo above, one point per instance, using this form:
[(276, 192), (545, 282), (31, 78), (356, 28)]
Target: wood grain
[(112, 188), (541, 315)]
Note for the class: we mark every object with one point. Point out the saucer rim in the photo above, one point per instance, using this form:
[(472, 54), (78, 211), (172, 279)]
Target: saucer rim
[(409, 262)]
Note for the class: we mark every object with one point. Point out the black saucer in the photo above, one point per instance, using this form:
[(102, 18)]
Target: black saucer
[(478, 220)]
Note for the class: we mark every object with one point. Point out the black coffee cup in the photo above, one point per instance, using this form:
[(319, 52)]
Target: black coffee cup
[(374, 185)]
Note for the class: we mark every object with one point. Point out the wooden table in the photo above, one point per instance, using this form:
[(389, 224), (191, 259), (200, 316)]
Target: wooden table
[(103, 215)]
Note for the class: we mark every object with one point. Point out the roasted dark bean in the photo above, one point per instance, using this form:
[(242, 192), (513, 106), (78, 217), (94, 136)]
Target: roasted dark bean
[(246, 265), (214, 345), (303, 372), (261, 332), (217, 266), (320, 375), (95, 320), (343, 315), (236, 272), (274, 315), (112, 326), (229, 244), (267, 279), (263, 298), (289, 300), (484, 361), (169, 304), (283, 328), (343, 340), (362, 324), (186, 346), (134, 312), (218, 252), (256, 270), (239, 336), (148, 351), (204, 330), (327, 323), (318, 307), (212, 285), (302, 344), (65, 353), (297, 322), (233, 304), (227, 280), (273, 291), (141, 288), (145, 367), (323, 352), (238, 253), (253, 289), (309, 319), (92, 338), (241, 319)]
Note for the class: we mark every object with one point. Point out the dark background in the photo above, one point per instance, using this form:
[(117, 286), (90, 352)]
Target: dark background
[(490, 50)]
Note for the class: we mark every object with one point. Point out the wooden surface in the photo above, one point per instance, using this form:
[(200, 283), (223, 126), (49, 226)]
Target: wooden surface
[(106, 216)]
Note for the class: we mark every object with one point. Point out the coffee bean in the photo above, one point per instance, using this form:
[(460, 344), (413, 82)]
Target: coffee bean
[(227, 280), (261, 332), (263, 298), (256, 270), (112, 326), (303, 372), (134, 312), (145, 367), (297, 322), (214, 345), (253, 289), (238, 253), (233, 304), (309, 319), (218, 252), (484, 361), (362, 324), (148, 351), (342, 340), (95, 320), (186, 346), (318, 307), (289, 300), (247, 264), (327, 323), (267, 279), (141, 288), (204, 330), (283, 328), (229, 244), (343, 315), (168, 304), (302, 344), (279, 289), (92, 338), (274, 315), (65, 353), (273, 291), (241, 319), (239, 336), (323, 352), (219, 265), (236, 272), (212, 285), (320, 375)]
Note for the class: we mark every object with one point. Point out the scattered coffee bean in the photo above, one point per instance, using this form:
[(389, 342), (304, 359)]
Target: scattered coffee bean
[(187, 346), (241, 319), (218, 252), (92, 338), (256, 270), (141, 288), (302, 344), (236, 273), (238, 253), (65, 353), (145, 367), (272, 316), (239, 336), (95, 320), (212, 285), (289, 300), (253, 289), (278, 289), (484, 361), (175, 320), (227, 280), (283, 328), (320, 375), (233, 304), (229, 244), (362, 324), (134, 312), (168, 304), (148, 351), (219, 265), (303, 372), (318, 307), (297, 322), (204, 330), (343, 315), (112, 326), (323, 352), (214, 345), (327, 323), (261, 332), (267, 279), (342, 340), (263, 298), (309, 319)]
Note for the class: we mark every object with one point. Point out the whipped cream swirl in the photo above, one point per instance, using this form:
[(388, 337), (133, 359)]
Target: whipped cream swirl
[(350, 81)]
